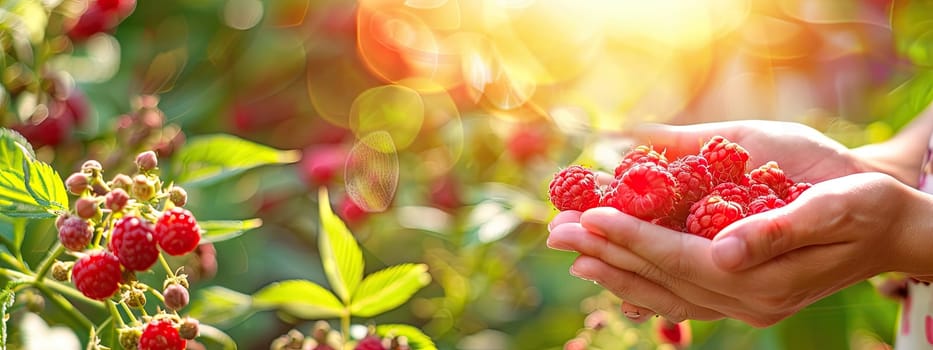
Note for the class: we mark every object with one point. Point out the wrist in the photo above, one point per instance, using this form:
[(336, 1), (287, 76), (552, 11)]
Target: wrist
[(913, 239), (888, 158)]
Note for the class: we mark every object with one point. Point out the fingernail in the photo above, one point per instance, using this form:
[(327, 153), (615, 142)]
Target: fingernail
[(633, 315), (729, 252), (574, 273)]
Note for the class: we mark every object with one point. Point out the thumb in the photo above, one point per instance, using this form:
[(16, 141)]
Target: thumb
[(762, 237)]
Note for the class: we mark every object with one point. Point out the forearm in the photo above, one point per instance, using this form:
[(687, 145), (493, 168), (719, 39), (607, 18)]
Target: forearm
[(913, 235), (902, 155)]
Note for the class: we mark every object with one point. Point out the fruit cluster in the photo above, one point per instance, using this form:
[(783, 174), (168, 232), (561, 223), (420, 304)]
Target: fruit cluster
[(121, 227), (699, 194), (322, 337)]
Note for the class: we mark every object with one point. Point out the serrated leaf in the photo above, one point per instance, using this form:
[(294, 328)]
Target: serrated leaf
[(28, 187), (300, 298), (6, 301), (219, 305), (211, 158), (386, 289), (340, 255), (221, 230), (417, 340)]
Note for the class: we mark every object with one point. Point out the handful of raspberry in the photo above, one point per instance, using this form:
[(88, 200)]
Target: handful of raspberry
[(699, 194)]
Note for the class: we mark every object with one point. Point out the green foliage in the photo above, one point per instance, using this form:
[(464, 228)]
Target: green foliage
[(7, 297), (341, 257), (416, 339), (222, 230), (212, 158), (219, 305), (28, 187), (388, 288), (300, 298)]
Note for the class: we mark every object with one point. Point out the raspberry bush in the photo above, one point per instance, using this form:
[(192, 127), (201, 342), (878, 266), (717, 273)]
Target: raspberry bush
[(699, 194)]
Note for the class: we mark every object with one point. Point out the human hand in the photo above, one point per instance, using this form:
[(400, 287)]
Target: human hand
[(834, 235), (803, 153)]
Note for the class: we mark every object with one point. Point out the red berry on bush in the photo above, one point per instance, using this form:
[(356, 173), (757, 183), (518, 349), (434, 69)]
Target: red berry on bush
[(97, 275), (320, 165), (133, 242), (147, 160), (527, 143), (116, 199), (86, 208), (77, 183), (75, 233), (177, 232), (161, 335), (350, 211), (574, 188)]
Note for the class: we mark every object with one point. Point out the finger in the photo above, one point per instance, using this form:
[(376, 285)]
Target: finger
[(683, 140), (564, 217), (765, 236), (682, 256), (564, 236), (636, 313), (637, 290)]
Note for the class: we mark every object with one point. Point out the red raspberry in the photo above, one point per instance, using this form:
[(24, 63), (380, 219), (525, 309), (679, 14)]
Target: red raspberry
[(177, 232), (694, 181), (161, 335), (320, 165), (646, 191), (772, 176), (711, 214), (765, 203), (133, 242), (638, 155), (794, 191), (350, 211), (677, 334), (370, 342), (727, 160), (574, 188), (528, 143), (75, 233), (732, 192), (97, 275)]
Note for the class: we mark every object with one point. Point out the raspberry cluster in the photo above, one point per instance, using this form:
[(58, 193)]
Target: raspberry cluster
[(699, 194), (121, 227)]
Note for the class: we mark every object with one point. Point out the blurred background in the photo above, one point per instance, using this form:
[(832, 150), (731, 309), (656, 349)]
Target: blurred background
[(437, 124)]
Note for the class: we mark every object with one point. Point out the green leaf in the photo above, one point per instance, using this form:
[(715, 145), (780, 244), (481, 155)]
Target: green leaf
[(6, 301), (211, 158), (28, 188), (221, 230), (219, 305), (417, 340), (386, 289), (300, 298), (340, 255)]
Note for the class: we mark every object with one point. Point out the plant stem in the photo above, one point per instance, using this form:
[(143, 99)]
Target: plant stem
[(129, 312), (46, 264), (115, 313), (168, 268), (65, 306), (9, 259), (345, 326)]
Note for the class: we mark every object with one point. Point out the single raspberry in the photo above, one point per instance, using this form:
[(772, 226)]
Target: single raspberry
[(147, 161), (756, 190), (711, 214), (765, 203), (178, 196), (321, 165), (177, 232), (677, 334), (97, 275), (727, 160), (694, 181), (638, 155), (91, 167), (527, 143), (133, 242), (794, 191), (732, 192), (646, 191), (75, 233), (370, 342), (189, 328), (121, 181), (161, 335), (77, 183), (116, 200), (772, 176), (574, 188), (176, 296), (87, 208)]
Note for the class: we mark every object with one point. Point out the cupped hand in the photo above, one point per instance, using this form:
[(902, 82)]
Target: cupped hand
[(837, 233), (803, 153)]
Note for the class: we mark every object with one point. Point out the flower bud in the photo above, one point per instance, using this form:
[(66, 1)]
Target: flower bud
[(77, 183), (176, 296), (178, 196), (91, 167), (116, 200), (87, 208), (121, 181), (142, 190), (189, 328), (147, 161)]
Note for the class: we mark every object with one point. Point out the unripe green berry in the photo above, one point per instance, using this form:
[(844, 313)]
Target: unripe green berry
[(143, 190), (178, 196), (147, 161), (61, 270), (129, 337), (135, 298)]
